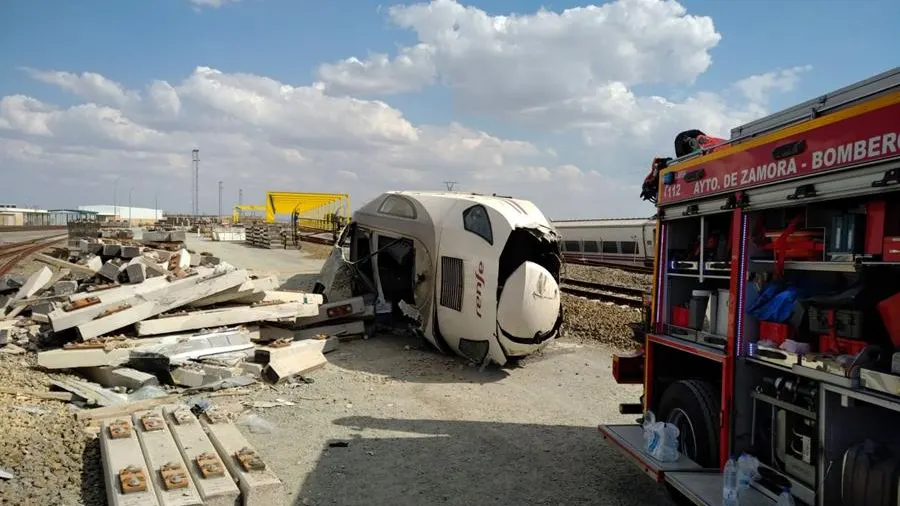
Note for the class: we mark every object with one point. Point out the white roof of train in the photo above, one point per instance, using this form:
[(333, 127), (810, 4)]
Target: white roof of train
[(519, 212), (611, 222)]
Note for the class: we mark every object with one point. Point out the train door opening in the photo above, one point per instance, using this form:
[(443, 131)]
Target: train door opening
[(396, 275)]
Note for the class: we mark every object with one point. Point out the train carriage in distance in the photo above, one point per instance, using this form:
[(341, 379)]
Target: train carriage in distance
[(475, 275), (626, 241)]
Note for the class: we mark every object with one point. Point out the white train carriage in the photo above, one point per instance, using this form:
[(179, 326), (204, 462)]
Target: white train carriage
[(476, 275), (627, 241)]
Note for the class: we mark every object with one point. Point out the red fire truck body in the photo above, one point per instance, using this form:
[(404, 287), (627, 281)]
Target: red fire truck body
[(774, 321)]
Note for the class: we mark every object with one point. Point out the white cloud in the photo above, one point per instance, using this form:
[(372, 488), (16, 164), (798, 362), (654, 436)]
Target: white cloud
[(213, 4), (409, 71), (757, 88), (253, 132), (519, 62)]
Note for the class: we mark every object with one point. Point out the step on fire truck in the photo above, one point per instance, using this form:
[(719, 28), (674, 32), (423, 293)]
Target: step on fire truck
[(773, 328)]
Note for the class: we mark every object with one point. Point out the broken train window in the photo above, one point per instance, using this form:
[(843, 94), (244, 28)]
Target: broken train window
[(475, 220)]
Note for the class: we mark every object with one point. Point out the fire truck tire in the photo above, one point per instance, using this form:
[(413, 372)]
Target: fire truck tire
[(693, 406)]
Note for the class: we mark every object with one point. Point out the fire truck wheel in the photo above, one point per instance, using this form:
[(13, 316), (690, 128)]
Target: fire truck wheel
[(693, 407)]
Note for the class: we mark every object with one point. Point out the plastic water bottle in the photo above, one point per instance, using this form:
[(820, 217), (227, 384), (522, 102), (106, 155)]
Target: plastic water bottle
[(785, 498), (730, 484), (747, 466)]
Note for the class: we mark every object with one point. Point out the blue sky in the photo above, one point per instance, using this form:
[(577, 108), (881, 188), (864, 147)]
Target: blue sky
[(136, 42)]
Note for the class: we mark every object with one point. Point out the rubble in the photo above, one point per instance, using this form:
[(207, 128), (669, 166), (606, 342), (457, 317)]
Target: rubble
[(117, 328)]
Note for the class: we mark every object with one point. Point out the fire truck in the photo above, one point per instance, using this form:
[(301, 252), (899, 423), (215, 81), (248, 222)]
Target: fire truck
[(773, 326)]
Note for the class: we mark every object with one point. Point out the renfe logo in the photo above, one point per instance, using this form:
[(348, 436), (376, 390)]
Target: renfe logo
[(479, 284)]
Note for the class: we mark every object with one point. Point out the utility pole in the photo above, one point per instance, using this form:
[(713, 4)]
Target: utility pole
[(195, 163), (449, 185), (115, 198), (156, 208), (240, 196), (129, 205), (219, 216)]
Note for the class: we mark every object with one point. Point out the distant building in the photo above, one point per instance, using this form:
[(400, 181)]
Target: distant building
[(13, 216), (137, 215), (61, 217)]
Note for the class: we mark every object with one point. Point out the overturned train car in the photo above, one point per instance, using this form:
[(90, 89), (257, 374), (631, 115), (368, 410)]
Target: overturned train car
[(475, 275)]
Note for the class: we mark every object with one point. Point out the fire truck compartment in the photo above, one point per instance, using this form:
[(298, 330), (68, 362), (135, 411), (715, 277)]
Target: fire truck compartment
[(773, 324)]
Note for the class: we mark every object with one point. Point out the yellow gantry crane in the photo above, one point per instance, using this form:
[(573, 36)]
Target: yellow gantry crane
[(318, 211)]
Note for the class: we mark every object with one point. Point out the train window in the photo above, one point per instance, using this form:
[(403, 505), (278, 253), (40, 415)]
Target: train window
[(610, 247), (571, 246), (591, 247), (629, 247), (397, 206), (476, 220)]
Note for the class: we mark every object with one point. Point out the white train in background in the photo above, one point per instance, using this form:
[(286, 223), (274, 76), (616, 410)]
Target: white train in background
[(625, 241), (475, 275)]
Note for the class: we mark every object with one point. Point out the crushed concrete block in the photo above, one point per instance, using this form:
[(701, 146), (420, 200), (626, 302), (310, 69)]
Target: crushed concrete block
[(94, 263), (202, 374), (65, 287), (151, 268), (11, 282), (110, 271), (154, 236), (136, 273), (120, 377), (96, 248), (111, 250), (252, 368), (177, 236), (129, 252), (210, 260)]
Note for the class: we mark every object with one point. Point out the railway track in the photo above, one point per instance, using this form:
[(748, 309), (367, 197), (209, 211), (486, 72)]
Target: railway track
[(13, 253), (639, 269), (622, 295)]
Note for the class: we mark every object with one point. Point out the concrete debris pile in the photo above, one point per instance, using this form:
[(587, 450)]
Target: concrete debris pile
[(139, 324)]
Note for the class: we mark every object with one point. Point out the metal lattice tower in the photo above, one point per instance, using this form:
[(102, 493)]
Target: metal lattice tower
[(450, 185), (240, 196), (195, 163)]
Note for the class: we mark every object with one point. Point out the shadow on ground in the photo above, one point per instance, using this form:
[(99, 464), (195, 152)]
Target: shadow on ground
[(473, 463), (300, 282), (410, 358)]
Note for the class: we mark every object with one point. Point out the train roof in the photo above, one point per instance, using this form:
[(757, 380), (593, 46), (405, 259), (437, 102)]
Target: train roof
[(605, 222)]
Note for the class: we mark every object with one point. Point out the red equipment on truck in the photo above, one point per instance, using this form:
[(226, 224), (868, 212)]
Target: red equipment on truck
[(773, 329)]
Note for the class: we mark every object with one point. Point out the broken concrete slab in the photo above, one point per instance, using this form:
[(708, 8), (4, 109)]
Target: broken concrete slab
[(35, 283), (300, 357), (179, 293), (176, 236), (272, 296), (107, 299), (168, 471), (259, 485), (213, 481), (62, 264), (120, 451), (252, 369), (119, 352), (195, 375), (65, 287), (249, 287), (125, 377), (92, 393), (199, 345), (212, 318), (340, 330)]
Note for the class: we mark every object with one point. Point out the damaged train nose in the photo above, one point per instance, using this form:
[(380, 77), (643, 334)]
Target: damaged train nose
[(529, 311)]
